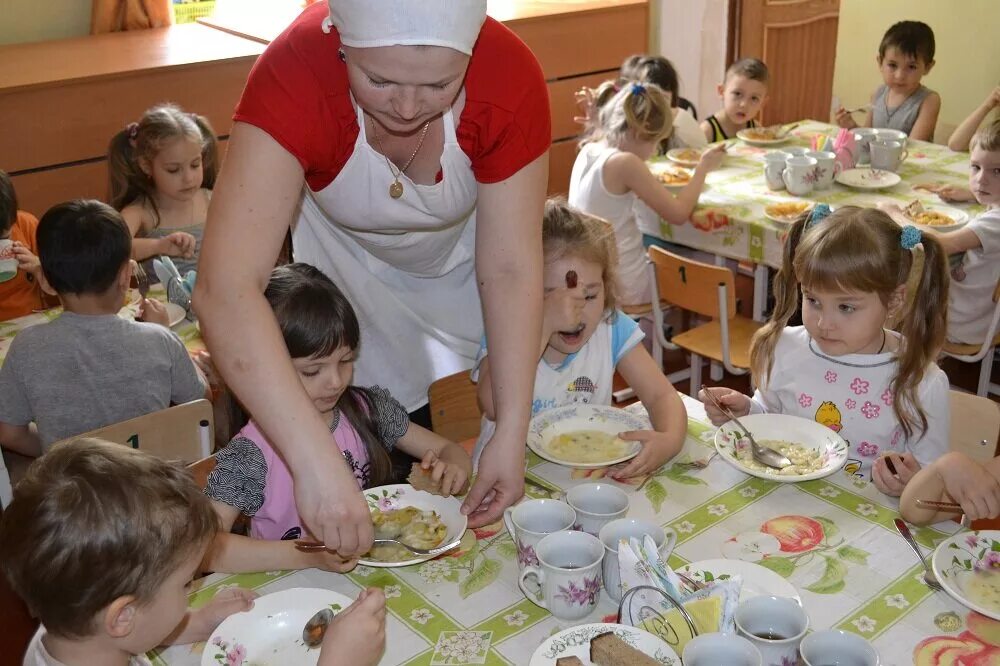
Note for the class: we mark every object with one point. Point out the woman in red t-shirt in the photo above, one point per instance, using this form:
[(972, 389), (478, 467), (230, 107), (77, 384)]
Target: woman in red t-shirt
[(421, 132)]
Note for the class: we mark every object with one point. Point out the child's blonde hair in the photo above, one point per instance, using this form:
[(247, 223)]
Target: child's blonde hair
[(861, 250), (141, 141), (93, 521), (567, 231), (641, 109), (987, 137)]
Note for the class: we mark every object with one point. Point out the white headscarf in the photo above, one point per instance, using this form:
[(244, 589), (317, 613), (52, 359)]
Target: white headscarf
[(367, 23)]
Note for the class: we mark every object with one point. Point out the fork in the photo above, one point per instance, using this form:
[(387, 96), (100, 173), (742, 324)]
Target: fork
[(141, 280), (317, 546), (696, 464), (929, 578), (859, 109)]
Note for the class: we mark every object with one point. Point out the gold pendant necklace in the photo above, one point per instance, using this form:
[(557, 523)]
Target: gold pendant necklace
[(396, 187)]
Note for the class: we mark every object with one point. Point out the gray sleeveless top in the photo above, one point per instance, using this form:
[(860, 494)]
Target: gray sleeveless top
[(183, 265), (903, 116)]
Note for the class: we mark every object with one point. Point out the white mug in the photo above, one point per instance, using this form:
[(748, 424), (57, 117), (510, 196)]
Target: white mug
[(827, 168), (624, 529), (798, 175), (774, 165), (596, 505), (833, 646), (568, 573), (795, 151), (887, 155), (892, 135), (717, 649), (8, 264), (864, 136), (775, 625), (530, 521)]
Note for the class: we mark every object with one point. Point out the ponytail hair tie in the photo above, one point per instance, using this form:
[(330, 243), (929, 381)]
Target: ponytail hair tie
[(819, 213), (910, 237), (133, 131), (638, 89)]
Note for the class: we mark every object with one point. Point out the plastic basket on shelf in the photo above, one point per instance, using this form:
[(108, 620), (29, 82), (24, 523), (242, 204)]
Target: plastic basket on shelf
[(188, 12)]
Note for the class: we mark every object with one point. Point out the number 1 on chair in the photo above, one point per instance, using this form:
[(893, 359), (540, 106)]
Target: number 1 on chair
[(133, 441)]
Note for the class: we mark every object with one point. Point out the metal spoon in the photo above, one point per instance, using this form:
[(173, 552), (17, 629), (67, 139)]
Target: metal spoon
[(929, 577), (315, 629), (316, 546), (761, 454)]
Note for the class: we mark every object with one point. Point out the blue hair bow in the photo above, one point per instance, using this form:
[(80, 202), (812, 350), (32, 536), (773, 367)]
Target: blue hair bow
[(638, 89), (819, 212), (910, 237)]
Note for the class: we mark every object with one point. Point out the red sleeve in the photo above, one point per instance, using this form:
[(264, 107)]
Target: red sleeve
[(298, 93), (506, 123)]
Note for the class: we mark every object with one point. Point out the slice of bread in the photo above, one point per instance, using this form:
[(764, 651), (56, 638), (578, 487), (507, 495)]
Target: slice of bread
[(608, 650), (569, 661)]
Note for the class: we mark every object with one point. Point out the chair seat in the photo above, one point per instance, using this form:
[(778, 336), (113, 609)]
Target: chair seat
[(706, 340), (958, 349), (640, 309)]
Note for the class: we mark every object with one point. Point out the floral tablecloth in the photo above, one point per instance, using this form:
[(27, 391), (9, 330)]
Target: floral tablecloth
[(833, 539), (729, 220)]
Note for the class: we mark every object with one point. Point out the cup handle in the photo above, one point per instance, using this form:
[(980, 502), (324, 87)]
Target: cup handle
[(837, 168), (906, 153), (508, 521), (785, 176), (540, 576)]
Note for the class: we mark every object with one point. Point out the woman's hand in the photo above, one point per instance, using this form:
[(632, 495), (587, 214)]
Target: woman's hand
[(906, 467), (500, 481), (328, 499), (738, 403), (656, 450), (970, 484), (178, 244)]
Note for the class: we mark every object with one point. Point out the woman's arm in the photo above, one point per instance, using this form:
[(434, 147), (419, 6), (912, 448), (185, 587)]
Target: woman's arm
[(923, 126), (509, 272), (960, 138), (254, 202)]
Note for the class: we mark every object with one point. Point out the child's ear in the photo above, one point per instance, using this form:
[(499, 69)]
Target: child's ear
[(146, 167), (928, 67), (720, 88), (119, 617), (125, 275), (896, 301)]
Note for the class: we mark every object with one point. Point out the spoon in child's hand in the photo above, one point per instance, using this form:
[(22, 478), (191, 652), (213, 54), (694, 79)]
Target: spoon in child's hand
[(315, 629), (571, 279)]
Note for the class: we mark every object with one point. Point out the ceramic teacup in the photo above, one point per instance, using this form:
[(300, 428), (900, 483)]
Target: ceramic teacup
[(887, 155), (795, 151), (716, 649), (530, 521), (775, 625), (8, 264), (827, 168), (596, 505), (837, 648), (774, 165), (625, 529), (864, 136), (892, 135), (568, 574), (798, 175)]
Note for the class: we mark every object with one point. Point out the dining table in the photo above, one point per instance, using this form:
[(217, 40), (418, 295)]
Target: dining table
[(729, 220), (833, 539)]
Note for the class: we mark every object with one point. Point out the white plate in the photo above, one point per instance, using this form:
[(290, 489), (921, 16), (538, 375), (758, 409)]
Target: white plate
[(402, 495), (758, 581), (682, 156), (175, 313), (786, 220), (865, 178), (960, 217), (271, 631), (742, 136), (658, 168), (788, 428), (553, 422), (575, 642), (954, 563)]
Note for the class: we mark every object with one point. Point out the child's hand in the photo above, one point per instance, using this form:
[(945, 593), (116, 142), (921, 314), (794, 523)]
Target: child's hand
[(154, 312), (203, 360), (906, 467), (178, 244), (736, 402), (656, 450), (356, 636), (584, 98), (711, 159), (562, 310), (993, 99), (955, 194), (26, 260), (970, 484), (327, 560), (203, 621), (451, 476), (844, 119)]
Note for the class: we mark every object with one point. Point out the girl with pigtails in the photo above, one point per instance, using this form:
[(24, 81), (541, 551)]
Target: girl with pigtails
[(846, 368), (610, 174)]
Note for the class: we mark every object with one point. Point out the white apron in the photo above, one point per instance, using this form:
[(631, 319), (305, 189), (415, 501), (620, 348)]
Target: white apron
[(406, 265)]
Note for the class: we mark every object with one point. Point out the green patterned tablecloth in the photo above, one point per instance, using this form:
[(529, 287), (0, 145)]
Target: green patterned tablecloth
[(836, 544), (729, 220)]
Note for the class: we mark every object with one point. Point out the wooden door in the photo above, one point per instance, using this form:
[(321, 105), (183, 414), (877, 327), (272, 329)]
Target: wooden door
[(798, 41)]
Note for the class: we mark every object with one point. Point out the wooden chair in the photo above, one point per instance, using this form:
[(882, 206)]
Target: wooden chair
[(982, 353), (709, 291), (975, 425), (455, 411), (201, 469), (183, 432)]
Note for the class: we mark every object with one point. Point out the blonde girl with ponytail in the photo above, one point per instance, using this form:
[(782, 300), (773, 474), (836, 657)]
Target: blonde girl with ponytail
[(846, 367), (610, 174)]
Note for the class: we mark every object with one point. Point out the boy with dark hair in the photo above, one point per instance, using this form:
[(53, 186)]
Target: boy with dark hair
[(902, 102), (20, 290), (743, 92), (88, 367)]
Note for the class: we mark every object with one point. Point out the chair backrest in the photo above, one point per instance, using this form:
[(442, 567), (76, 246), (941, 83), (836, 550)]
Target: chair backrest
[(455, 411), (692, 285), (183, 432), (974, 419), (201, 469)]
